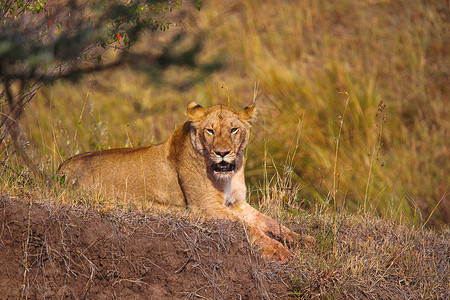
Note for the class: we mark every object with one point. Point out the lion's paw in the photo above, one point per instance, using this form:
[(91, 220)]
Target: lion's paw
[(277, 253)]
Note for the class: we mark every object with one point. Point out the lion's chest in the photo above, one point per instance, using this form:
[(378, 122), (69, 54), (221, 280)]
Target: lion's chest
[(234, 191)]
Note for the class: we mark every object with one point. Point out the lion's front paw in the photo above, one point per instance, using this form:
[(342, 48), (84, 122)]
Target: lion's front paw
[(277, 252)]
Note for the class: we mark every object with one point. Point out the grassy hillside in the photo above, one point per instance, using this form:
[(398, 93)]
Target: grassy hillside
[(53, 247), (353, 100)]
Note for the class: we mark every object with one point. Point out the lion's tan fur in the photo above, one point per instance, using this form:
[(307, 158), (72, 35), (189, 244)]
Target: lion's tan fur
[(183, 171)]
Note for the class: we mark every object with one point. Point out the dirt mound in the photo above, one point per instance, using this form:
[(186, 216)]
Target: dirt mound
[(77, 253)]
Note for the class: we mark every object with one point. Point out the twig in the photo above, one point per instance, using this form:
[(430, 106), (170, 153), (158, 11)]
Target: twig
[(137, 281), (25, 259)]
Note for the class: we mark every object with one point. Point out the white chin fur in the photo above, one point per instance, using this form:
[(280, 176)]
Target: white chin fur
[(223, 175)]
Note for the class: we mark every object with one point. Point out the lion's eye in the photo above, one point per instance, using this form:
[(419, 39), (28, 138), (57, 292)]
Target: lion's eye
[(210, 131), (234, 130)]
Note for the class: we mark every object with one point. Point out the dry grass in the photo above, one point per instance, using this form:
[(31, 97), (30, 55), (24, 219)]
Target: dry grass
[(372, 258)]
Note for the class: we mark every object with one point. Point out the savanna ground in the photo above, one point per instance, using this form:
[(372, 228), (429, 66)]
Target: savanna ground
[(53, 250), (351, 146)]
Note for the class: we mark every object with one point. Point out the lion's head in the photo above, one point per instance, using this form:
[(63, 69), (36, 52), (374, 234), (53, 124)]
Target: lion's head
[(220, 134)]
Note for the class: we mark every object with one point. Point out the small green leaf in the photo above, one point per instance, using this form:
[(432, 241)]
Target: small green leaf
[(63, 178)]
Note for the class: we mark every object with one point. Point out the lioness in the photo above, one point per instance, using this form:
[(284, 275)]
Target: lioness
[(200, 166)]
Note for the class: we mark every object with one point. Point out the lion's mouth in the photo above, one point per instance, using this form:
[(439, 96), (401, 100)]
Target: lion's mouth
[(223, 166)]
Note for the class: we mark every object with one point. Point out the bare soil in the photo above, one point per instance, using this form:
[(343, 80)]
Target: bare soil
[(49, 252)]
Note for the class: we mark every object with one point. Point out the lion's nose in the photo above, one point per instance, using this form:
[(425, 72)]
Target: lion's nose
[(222, 153)]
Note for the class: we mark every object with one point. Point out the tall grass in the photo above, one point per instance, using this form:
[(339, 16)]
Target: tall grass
[(305, 55)]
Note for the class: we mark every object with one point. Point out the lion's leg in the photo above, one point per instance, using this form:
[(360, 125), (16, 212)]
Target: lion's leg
[(261, 228), (268, 225), (271, 249), (283, 233)]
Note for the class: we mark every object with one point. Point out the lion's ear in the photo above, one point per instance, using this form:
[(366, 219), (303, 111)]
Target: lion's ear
[(195, 111), (249, 113)]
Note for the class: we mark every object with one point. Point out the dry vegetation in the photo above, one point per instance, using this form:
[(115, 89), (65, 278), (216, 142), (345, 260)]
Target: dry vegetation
[(53, 247), (351, 146)]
